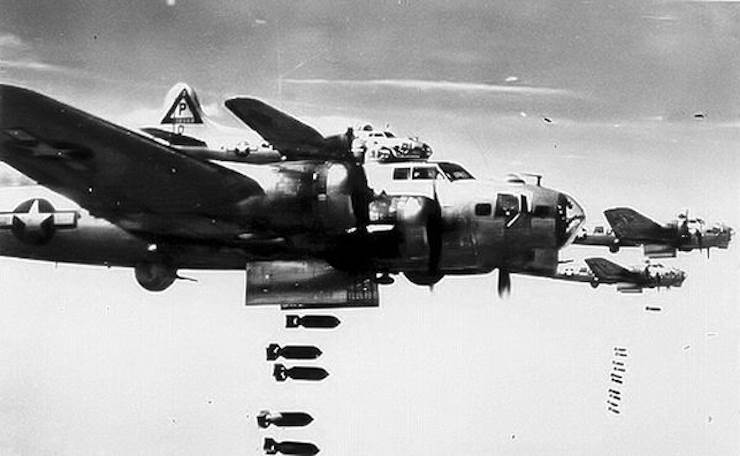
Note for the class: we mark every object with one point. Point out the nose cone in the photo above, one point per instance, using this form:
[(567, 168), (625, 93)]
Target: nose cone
[(571, 217), (671, 277), (729, 232)]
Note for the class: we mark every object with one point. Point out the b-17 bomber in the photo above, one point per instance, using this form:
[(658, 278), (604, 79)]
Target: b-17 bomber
[(309, 222), (629, 228), (628, 280)]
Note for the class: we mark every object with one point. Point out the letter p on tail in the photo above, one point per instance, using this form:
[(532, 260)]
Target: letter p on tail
[(181, 106)]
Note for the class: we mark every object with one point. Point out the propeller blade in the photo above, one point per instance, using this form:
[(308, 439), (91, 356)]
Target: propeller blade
[(434, 233), (504, 282)]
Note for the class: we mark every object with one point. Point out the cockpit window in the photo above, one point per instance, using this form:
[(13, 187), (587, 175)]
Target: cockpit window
[(482, 209), (454, 171), (401, 173), (424, 173), (388, 134), (506, 205)]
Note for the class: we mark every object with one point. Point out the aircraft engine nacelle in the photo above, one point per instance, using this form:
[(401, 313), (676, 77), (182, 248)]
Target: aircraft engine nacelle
[(659, 251), (416, 219), (417, 222), (324, 197), (307, 284), (35, 221)]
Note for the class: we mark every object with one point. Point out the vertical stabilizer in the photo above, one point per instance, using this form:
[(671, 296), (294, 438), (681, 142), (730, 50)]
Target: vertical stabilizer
[(181, 106)]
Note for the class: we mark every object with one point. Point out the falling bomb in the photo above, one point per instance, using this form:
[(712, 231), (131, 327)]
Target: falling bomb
[(290, 448), (283, 419), (274, 351), (312, 321), (281, 373)]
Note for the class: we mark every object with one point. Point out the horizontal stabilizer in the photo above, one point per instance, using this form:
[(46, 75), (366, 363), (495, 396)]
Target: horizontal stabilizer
[(174, 139)]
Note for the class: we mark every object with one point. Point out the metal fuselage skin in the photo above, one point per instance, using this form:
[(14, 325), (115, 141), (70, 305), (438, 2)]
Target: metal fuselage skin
[(309, 210)]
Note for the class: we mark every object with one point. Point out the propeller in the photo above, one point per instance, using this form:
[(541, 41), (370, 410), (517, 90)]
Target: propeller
[(434, 233), (504, 282), (433, 225), (683, 229)]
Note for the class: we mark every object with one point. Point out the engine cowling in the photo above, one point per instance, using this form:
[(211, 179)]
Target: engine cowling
[(417, 222), (324, 198)]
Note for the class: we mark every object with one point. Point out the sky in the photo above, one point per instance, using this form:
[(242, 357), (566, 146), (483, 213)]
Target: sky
[(98, 366)]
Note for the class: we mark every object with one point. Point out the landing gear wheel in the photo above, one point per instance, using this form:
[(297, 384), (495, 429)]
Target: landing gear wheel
[(424, 279), (155, 276)]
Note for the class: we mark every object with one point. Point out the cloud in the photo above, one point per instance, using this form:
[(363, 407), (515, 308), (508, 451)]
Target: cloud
[(664, 18), (447, 86), (17, 54), (31, 65), (11, 42)]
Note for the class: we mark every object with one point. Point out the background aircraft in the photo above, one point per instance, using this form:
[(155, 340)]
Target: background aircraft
[(628, 280), (311, 229), (186, 127), (630, 229)]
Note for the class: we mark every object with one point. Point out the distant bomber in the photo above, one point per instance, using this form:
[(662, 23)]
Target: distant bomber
[(631, 229), (633, 280)]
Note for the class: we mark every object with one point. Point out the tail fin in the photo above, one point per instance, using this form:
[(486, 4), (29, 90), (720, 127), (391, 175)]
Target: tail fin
[(270, 446), (605, 270), (181, 106), (273, 352), (627, 223), (292, 321)]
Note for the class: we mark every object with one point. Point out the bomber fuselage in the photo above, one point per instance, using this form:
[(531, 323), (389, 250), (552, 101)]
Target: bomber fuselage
[(330, 210)]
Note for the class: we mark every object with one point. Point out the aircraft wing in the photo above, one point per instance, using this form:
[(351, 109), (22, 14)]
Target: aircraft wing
[(285, 133), (115, 173), (607, 271), (629, 224)]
